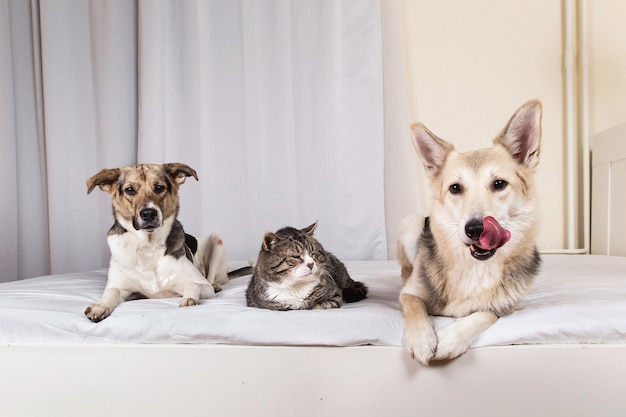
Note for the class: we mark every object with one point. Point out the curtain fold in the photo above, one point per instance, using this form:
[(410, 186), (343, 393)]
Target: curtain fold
[(89, 107), (281, 103), (24, 223), (278, 105)]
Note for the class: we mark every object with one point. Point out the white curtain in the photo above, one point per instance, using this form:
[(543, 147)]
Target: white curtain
[(23, 206), (68, 109), (282, 106)]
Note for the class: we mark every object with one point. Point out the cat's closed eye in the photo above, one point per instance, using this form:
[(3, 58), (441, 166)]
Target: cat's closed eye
[(319, 257), (293, 259)]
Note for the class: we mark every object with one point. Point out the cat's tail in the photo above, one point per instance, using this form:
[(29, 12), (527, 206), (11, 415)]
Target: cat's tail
[(354, 291), (242, 272)]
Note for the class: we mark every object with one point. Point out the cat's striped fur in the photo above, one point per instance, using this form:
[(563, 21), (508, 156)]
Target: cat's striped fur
[(294, 272)]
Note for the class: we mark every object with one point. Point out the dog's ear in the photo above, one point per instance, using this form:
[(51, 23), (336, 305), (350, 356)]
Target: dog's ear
[(522, 135), (105, 179), (430, 148), (309, 229), (179, 172)]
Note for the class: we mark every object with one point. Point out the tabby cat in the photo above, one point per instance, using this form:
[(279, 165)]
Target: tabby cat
[(294, 272)]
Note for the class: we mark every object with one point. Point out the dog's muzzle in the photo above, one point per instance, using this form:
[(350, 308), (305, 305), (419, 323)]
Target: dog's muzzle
[(148, 220), (481, 254), (486, 237)]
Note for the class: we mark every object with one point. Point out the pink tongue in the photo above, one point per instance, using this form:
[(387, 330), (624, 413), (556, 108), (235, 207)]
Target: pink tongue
[(493, 235)]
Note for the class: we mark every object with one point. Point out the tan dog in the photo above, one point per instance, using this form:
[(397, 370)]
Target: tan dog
[(150, 253), (474, 258)]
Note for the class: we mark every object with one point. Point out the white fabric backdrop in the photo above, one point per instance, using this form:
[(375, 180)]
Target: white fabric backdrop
[(281, 103), (277, 104)]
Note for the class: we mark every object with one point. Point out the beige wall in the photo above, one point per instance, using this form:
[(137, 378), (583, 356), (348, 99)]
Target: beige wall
[(607, 63), (472, 64)]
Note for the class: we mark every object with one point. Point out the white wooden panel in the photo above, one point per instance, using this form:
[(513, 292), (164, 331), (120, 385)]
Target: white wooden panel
[(223, 381), (617, 204), (600, 210), (608, 200)]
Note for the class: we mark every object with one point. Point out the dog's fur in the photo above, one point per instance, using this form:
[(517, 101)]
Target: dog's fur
[(442, 273), (150, 253)]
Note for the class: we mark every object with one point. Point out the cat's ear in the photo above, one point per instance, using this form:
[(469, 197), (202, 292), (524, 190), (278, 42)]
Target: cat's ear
[(309, 229), (269, 240)]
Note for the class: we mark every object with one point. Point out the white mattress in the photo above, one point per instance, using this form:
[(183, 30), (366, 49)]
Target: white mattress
[(576, 299)]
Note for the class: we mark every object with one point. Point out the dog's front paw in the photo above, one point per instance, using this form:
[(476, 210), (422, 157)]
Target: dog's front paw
[(421, 343), (452, 343), (187, 302), (97, 312), (458, 336)]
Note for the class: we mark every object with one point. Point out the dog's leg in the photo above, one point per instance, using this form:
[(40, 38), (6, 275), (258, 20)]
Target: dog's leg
[(213, 260), (111, 298), (455, 338), (192, 292), (419, 335), (406, 266), (406, 246), (186, 279)]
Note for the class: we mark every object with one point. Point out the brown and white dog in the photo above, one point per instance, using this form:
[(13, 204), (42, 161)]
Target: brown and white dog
[(151, 255), (474, 257)]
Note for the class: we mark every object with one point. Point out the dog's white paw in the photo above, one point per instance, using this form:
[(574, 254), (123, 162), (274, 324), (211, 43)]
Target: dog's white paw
[(188, 302), (456, 338), (451, 343), (421, 343), (97, 312)]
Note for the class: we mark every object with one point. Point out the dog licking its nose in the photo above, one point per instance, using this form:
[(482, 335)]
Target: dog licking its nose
[(493, 235), (487, 236), (473, 229)]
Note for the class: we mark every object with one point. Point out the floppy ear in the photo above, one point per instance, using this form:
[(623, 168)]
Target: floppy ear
[(105, 179), (430, 148), (522, 135), (179, 172), (269, 240), (309, 229)]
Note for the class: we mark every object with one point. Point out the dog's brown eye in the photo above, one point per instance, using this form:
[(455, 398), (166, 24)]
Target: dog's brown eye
[(456, 189), (129, 191), (159, 188), (499, 185)]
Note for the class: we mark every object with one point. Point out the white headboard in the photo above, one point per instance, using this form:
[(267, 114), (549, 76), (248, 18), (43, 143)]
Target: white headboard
[(608, 192)]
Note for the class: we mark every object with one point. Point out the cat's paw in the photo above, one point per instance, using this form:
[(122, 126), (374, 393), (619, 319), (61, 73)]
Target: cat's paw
[(324, 305), (188, 302)]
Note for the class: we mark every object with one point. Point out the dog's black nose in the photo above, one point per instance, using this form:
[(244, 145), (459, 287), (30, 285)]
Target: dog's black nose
[(148, 214), (473, 229)]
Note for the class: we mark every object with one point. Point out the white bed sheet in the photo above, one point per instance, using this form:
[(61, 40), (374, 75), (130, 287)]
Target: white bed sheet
[(576, 299)]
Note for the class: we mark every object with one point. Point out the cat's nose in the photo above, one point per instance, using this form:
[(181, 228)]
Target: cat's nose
[(310, 265)]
